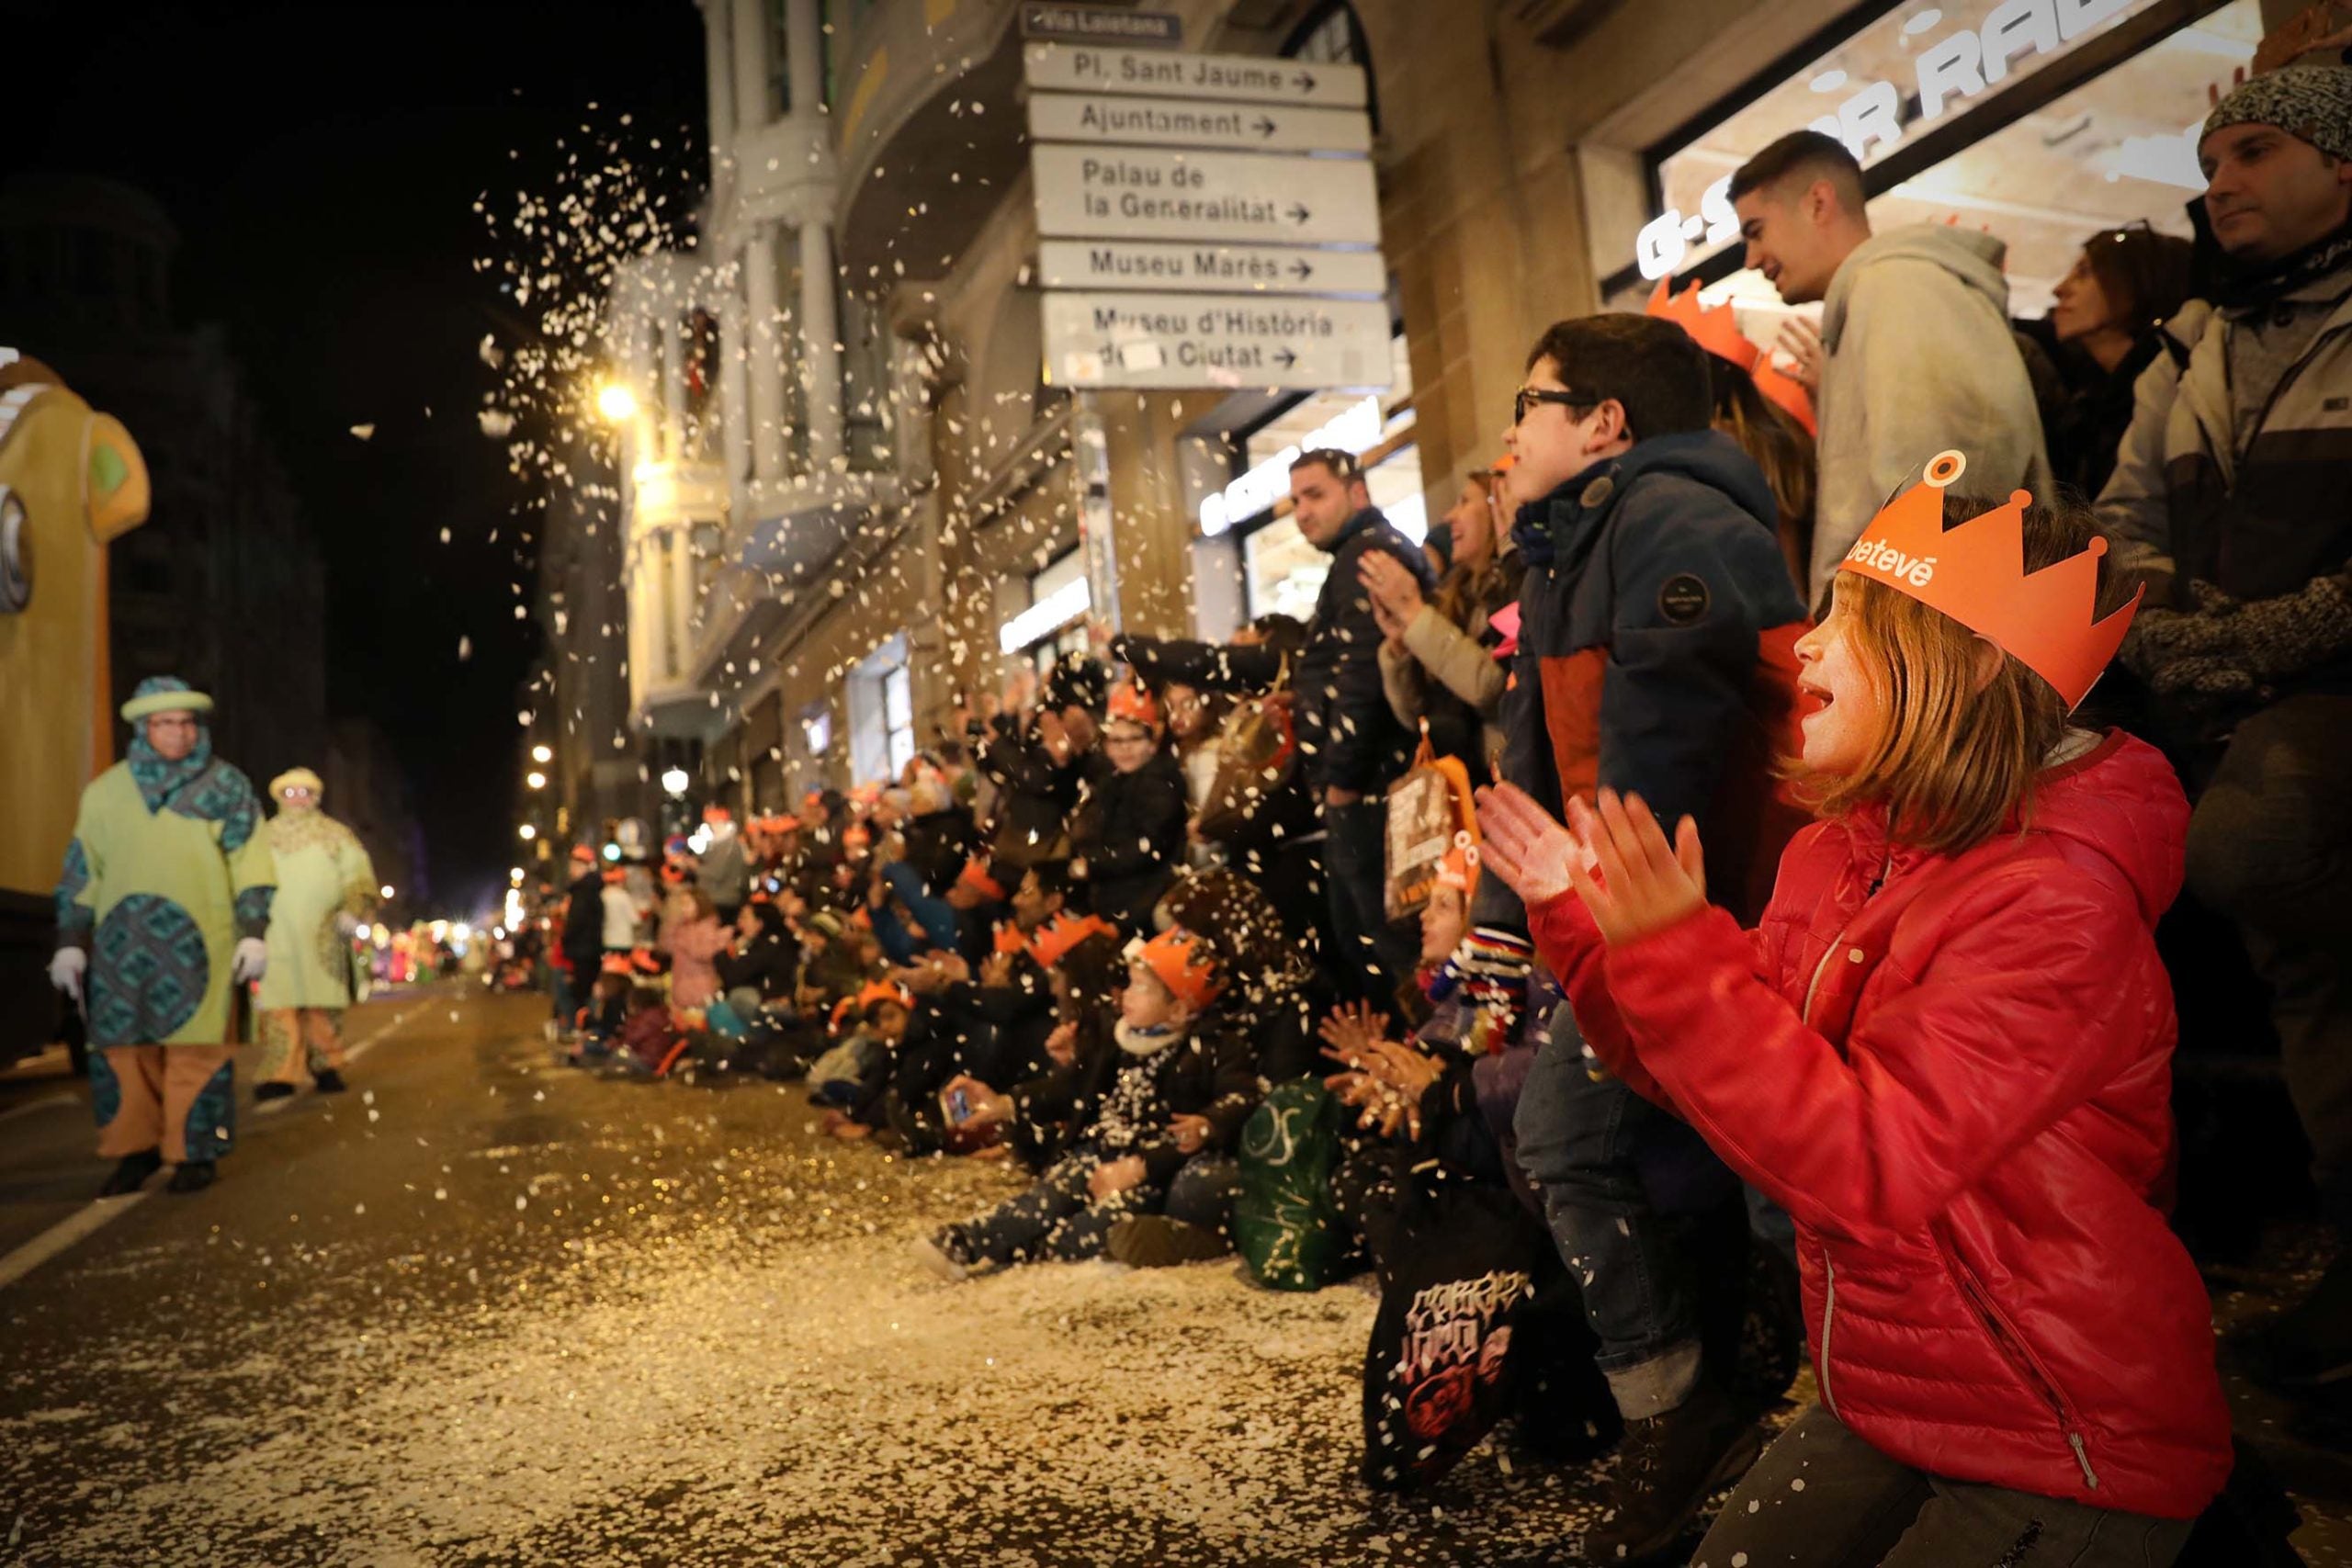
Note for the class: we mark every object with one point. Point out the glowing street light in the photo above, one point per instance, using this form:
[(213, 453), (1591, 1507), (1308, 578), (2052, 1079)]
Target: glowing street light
[(616, 402), (526, 832), (385, 891), (675, 781), (535, 780), (541, 754), (514, 873)]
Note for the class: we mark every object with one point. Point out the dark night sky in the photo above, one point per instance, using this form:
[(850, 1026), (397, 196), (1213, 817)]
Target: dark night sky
[(321, 162)]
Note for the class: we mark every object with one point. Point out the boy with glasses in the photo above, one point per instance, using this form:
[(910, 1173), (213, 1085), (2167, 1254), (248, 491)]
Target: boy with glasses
[(1653, 613)]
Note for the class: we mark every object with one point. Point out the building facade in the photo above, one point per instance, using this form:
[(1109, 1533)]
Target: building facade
[(855, 496)]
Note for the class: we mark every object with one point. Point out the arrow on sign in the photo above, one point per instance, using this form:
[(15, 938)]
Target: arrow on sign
[(1286, 358), (1306, 81), (1301, 271), (1265, 126), (1298, 213)]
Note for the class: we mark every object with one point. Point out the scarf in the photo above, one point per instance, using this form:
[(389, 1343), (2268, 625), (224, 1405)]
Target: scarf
[(2265, 283), (160, 779)]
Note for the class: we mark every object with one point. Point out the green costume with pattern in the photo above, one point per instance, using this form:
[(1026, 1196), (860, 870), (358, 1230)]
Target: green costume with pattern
[(322, 872)]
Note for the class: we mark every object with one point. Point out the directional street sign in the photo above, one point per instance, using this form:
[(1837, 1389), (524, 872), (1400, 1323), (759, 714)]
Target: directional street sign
[(1194, 340), (1216, 269), (1233, 78), (1161, 122), (1135, 193)]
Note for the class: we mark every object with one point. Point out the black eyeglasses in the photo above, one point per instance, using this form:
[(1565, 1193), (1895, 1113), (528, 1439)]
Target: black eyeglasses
[(1527, 397)]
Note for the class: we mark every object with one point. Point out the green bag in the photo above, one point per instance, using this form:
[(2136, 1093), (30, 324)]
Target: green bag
[(1285, 1223)]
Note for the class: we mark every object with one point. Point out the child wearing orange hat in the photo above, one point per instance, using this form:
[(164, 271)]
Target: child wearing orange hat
[(1183, 1085), (1945, 1051), (1127, 834)]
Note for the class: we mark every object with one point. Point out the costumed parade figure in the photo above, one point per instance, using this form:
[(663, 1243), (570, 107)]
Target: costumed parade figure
[(326, 886), (161, 910)]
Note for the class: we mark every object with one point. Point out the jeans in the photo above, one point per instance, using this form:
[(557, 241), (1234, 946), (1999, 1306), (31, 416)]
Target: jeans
[(1055, 1219), (1622, 1181), (1375, 957), (1859, 1509), (1203, 1191), (2270, 846), (564, 1003)]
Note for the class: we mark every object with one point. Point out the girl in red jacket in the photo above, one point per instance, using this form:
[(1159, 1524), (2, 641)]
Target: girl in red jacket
[(1946, 1051)]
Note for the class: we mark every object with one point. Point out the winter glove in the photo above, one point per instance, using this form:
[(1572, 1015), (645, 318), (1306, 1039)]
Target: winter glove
[(2287, 635), (251, 960), (2197, 641), (66, 971)]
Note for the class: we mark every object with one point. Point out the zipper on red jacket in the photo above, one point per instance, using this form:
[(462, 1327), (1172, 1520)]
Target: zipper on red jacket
[(1829, 1316), (2013, 1349), (1804, 1015)]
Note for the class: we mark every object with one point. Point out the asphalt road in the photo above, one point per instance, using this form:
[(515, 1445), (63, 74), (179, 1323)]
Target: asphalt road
[(485, 1309)]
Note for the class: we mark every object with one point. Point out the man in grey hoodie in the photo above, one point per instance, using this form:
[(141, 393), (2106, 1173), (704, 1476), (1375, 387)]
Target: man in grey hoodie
[(1914, 332)]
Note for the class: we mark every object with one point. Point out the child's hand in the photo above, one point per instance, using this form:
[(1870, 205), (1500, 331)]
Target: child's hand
[(1402, 1068), (995, 969), (1642, 884), (1350, 1029), (1522, 843), (1115, 1177), (1062, 1043), (1190, 1132)]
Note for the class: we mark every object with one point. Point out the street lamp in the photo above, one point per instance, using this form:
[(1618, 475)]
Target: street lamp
[(541, 754), (616, 402), (675, 781), (535, 780), (385, 890), (526, 832)]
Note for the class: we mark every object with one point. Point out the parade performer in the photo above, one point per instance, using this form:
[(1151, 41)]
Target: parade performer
[(326, 886), (161, 910), (1946, 1051)]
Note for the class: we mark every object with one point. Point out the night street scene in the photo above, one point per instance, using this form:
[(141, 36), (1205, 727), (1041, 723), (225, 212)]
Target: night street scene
[(882, 782)]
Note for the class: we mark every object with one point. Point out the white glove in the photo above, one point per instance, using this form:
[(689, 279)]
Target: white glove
[(251, 960), (66, 971)]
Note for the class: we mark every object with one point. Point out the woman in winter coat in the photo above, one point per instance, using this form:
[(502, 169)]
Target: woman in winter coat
[(1126, 837), (1946, 1051), (2107, 318), (695, 942), (1438, 661)]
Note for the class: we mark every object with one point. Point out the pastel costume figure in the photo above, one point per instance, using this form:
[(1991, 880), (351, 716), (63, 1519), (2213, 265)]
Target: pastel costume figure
[(161, 910), (326, 885)]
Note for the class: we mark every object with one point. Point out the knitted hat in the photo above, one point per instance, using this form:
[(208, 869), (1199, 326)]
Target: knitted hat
[(163, 693), (2312, 103), (297, 778)]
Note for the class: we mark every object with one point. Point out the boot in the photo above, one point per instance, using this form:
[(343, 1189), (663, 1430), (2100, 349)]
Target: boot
[(130, 1173), (264, 1093), (193, 1176), (326, 1081), (1668, 1465), (1155, 1241)]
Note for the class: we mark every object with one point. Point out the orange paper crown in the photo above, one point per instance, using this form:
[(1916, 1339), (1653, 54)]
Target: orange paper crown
[(1975, 574), (1055, 939), (1715, 328), (1184, 965), (1778, 386)]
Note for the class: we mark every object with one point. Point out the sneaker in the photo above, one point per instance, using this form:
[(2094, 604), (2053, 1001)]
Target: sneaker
[(938, 1254), (2310, 1344), (130, 1173), (1668, 1465), (264, 1093), (193, 1176), (1155, 1241), (326, 1081)]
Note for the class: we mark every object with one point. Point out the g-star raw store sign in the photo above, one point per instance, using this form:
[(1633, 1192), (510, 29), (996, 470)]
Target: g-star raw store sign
[(1964, 63)]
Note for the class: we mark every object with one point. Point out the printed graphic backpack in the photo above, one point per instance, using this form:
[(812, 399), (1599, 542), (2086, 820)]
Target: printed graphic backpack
[(1285, 1224)]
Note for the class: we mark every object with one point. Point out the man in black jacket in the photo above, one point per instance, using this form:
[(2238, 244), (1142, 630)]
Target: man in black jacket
[(583, 936), (1350, 742)]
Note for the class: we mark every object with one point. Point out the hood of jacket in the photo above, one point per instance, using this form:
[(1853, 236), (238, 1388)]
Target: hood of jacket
[(1560, 529), (1970, 255)]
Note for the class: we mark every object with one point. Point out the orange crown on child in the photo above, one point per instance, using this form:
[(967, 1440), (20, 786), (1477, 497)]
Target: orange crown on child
[(1184, 965), (1055, 939), (1715, 328), (1975, 574)]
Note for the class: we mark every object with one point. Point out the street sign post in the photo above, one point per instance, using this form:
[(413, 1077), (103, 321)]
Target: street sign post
[(1173, 340), (1102, 24), (1167, 264), (1232, 78), (1140, 194), (1161, 122)]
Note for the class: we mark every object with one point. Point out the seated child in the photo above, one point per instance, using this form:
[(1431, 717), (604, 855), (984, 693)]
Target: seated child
[(854, 1072), (1183, 1086)]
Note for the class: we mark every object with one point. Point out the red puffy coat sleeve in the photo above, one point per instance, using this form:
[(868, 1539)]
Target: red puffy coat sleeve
[(2013, 1018)]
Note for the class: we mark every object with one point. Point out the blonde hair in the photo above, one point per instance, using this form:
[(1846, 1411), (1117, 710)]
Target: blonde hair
[(1957, 757)]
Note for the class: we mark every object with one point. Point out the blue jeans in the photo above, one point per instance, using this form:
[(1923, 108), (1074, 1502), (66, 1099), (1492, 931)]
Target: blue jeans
[(1057, 1219), (1375, 957), (1618, 1177), (1203, 1191), (564, 1003)]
